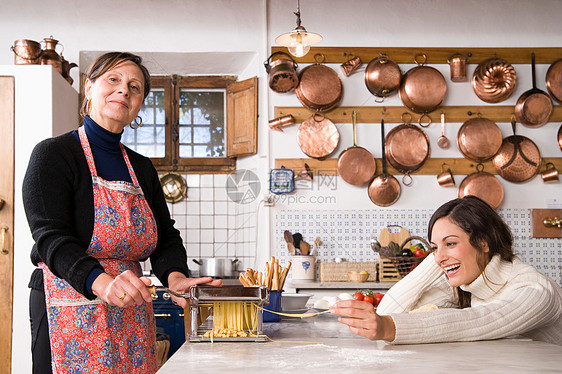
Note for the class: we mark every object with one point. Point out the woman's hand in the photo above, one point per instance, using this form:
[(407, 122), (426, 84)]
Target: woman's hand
[(124, 290), (179, 283), (363, 320)]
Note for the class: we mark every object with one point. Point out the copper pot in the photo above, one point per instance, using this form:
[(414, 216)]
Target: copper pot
[(320, 87), (384, 190), (356, 165), (534, 107), (282, 73), (479, 139), (382, 77), (423, 88), (457, 63), (494, 80), (554, 80), (407, 148), (318, 137), (518, 158), (483, 185), (26, 52)]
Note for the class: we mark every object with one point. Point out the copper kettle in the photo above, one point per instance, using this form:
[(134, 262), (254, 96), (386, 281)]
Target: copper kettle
[(50, 55), (66, 66)]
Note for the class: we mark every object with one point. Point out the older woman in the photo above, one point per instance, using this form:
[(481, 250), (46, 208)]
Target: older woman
[(95, 209), (473, 282)]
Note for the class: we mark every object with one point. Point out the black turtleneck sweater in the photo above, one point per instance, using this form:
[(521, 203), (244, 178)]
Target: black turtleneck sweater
[(59, 205)]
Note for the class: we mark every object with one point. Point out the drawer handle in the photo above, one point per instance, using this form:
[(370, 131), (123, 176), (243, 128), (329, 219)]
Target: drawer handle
[(163, 315)]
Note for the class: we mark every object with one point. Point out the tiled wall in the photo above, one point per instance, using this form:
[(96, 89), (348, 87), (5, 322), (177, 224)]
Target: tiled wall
[(211, 223), (347, 234)]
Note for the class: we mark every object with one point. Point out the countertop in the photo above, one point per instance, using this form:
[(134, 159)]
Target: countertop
[(339, 285), (323, 345)]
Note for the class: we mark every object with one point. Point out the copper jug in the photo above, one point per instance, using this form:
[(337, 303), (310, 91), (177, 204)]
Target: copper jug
[(66, 66), (50, 55)]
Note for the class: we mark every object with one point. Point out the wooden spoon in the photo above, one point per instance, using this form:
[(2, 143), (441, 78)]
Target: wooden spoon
[(290, 244), (304, 247)]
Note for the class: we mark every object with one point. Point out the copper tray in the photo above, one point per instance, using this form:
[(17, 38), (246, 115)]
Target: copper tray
[(494, 80), (483, 185), (479, 139), (318, 137)]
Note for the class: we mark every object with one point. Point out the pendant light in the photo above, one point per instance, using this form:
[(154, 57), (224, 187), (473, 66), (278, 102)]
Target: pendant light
[(299, 40)]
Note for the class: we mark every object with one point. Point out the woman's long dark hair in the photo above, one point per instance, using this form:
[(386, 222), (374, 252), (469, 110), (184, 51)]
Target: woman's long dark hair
[(483, 225)]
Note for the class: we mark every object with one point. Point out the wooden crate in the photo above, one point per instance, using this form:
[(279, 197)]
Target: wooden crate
[(387, 271), (337, 271)]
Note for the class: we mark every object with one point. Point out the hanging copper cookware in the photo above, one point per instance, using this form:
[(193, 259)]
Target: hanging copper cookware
[(423, 88), (479, 139), (356, 165), (407, 148), (518, 158), (384, 190), (560, 137), (494, 80), (534, 106), (318, 137), (320, 88), (554, 80), (282, 73), (382, 77), (483, 185)]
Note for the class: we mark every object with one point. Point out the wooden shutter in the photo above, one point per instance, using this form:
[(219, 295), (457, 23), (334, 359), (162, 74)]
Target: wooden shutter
[(242, 118)]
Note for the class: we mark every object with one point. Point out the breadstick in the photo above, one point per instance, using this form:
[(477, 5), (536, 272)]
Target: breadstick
[(275, 285), (251, 278), (243, 281)]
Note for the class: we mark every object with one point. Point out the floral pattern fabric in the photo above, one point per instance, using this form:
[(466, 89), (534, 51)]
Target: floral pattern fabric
[(90, 336)]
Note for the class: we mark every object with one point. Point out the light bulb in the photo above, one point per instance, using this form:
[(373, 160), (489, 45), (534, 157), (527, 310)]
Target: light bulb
[(299, 49)]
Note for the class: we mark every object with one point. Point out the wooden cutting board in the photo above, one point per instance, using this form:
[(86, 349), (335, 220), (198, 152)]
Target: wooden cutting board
[(395, 234)]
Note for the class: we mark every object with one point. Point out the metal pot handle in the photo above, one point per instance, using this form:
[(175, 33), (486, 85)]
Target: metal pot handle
[(266, 62), (197, 262), (427, 245)]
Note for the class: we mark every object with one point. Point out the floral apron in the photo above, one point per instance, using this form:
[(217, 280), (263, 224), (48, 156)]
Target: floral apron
[(90, 336)]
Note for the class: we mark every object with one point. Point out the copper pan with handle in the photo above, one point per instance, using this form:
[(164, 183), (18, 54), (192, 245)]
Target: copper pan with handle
[(534, 106), (320, 88), (554, 80), (518, 158), (422, 88), (382, 77), (384, 190), (356, 165)]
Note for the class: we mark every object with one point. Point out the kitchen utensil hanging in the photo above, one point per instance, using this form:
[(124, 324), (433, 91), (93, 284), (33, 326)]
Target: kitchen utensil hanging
[(320, 87), (356, 165), (483, 185), (282, 73), (554, 80), (479, 139), (174, 187), (382, 77), (407, 148), (317, 136), (443, 142), (384, 190), (494, 80), (534, 106), (457, 64), (422, 88), (518, 158)]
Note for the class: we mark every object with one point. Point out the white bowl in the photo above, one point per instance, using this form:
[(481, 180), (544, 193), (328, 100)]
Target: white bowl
[(294, 301)]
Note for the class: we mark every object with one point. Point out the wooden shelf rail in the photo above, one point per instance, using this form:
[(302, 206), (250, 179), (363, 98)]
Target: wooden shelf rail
[(393, 114), (432, 166), (435, 55)]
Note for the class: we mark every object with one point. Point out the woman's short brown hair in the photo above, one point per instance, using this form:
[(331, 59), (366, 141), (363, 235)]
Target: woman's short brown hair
[(108, 61)]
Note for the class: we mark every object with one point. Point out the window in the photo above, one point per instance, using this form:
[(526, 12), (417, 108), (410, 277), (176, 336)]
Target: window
[(197, 124)]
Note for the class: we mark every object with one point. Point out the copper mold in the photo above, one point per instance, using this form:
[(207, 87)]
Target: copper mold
[(494, 80)]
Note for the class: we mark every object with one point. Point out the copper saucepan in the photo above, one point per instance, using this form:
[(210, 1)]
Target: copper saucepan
[(423, 88), (534, 106), (382, 77), (518, 158), (384, 190), (483, 185), (356, 165), (479, 139), (318, 137), (282, 73), (494, 80), (554, 80), (560, 137), (320, 88), (407, 148)]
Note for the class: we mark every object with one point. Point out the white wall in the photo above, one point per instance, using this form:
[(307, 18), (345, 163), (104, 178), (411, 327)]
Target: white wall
[(249, 25)]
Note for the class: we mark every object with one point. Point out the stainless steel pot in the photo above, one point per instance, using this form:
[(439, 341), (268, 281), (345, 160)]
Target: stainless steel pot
[(217, 267)]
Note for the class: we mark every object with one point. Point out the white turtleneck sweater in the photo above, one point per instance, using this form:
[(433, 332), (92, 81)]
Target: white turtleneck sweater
[(509, 298)]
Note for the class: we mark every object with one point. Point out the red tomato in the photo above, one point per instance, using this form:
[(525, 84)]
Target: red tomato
[(419, 253), (358, 296), (371, 299)]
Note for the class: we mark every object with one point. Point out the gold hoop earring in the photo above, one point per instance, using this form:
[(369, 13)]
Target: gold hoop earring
[(88, 107), (137, 123)]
